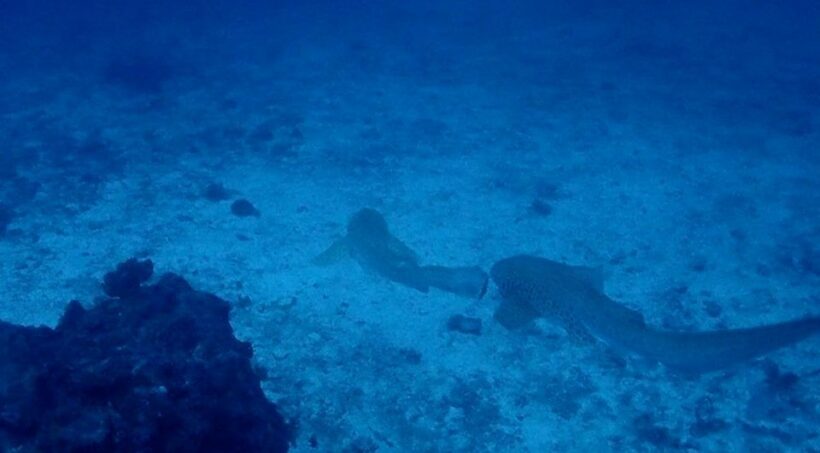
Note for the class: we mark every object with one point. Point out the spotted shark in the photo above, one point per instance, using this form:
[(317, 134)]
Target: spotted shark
[(370, 243), (573, 297)]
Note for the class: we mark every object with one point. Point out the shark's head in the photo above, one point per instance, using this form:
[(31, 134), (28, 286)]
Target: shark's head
[(500, 273), (367, 224), (514, 282), (510, 275)]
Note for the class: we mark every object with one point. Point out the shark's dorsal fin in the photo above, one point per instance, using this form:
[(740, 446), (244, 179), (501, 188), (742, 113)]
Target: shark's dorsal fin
[(593, 276), (333, 254), (514, 315)]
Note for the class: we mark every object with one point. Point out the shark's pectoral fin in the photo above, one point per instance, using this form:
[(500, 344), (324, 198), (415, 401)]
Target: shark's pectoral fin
[(514, 315), (576, 331), (333, 254)]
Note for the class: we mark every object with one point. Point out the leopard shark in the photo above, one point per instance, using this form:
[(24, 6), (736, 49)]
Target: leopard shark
[(573, 297), (370, 243)]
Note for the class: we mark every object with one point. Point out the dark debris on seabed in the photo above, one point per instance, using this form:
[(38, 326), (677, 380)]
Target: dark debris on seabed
[(244, 208)]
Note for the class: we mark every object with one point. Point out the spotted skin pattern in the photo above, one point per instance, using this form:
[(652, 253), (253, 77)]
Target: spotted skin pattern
[(533, 287)]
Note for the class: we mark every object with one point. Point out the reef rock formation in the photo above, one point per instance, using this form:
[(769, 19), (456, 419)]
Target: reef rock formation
[(153, 368)]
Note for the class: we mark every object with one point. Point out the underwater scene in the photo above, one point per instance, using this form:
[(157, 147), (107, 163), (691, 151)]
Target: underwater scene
[(409, 226)]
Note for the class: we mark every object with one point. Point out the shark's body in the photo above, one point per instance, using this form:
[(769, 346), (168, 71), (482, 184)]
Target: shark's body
[(533, 287), (370, 243)]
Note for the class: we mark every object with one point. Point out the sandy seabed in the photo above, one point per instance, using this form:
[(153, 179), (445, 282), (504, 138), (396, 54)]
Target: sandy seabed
[(700, 201)]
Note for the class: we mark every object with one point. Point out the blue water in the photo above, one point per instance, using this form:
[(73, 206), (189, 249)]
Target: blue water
[(674, 145)]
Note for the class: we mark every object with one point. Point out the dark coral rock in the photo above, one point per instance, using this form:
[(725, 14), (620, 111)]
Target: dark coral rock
[(125, 281), (540, 207), (160, 371), (464, 324), (244, 208)]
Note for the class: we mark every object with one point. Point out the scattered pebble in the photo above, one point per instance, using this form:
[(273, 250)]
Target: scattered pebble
[(244, 208), (464, 324)]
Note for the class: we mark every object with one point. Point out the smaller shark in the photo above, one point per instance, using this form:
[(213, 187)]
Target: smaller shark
[(573, 296), (370, 243)]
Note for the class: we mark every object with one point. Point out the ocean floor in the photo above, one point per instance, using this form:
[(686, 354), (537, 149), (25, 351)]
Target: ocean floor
[(694, 185)]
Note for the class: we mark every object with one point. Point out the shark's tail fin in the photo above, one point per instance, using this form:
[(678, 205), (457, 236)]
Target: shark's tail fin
[(463, 281), (708, 351)]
